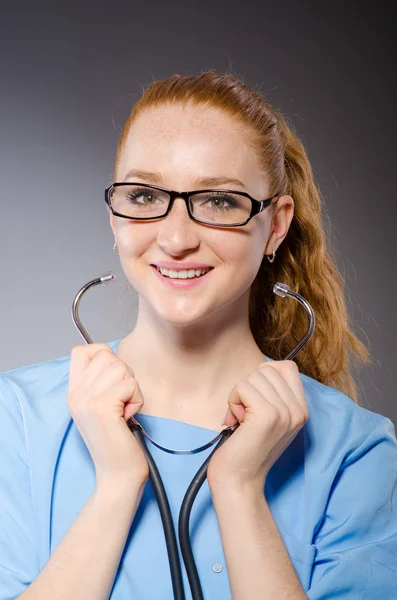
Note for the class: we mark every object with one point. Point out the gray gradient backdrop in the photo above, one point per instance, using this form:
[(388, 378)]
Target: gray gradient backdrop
[(70, 73)]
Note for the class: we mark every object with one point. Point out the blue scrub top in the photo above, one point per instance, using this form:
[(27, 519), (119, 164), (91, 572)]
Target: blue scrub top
[(332, 493)]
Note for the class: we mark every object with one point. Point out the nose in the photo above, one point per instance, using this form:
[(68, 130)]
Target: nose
[(179, 207), (178, 213), (177, 232)]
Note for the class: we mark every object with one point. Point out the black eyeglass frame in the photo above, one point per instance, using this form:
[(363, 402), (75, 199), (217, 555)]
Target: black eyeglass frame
[(257, 205)]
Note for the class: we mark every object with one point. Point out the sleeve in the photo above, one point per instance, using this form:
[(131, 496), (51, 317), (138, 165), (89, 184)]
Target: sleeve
[(18, 555), (357, 539)]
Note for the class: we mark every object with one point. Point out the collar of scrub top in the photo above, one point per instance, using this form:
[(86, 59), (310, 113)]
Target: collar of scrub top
[(281, 289)]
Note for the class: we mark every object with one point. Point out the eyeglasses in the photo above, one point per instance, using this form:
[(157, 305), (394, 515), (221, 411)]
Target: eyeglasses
[(219, 208)]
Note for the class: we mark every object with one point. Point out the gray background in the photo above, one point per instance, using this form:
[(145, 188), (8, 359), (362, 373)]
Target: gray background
[(70, 73)]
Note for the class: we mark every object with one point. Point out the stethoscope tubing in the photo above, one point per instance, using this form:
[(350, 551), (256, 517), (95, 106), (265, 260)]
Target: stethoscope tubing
[(201, 475), (183, 522), (165, 513)]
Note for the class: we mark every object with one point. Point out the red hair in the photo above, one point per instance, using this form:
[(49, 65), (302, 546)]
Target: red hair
[(304, 260)]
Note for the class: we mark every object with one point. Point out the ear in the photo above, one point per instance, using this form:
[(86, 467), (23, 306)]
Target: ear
[(282, 217)]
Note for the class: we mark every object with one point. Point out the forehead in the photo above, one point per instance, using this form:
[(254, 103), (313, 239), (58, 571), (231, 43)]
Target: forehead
[(189, 139), (170, 120)]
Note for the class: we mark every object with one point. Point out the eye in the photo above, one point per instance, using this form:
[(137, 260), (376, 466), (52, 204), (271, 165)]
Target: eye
[(132, 195), (219, 200)]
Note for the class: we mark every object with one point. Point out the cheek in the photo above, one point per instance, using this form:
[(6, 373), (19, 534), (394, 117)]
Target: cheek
[(251, 257), (133, 239), (243, 260)]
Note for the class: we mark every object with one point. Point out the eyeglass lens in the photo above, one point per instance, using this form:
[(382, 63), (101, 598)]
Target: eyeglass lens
[(214, 207)]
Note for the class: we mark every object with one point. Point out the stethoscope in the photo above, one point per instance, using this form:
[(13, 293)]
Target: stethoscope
[(281, 289)]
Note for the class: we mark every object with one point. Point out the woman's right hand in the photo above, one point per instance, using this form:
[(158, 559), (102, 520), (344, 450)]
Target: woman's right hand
[(102, 395)]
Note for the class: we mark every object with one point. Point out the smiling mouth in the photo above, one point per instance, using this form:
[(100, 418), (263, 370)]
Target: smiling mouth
[(183, 278)]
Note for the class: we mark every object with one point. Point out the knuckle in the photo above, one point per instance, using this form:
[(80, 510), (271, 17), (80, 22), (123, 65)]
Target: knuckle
[(242, 386), (305, 415), (130, 370), (300, 418), (254, 376), (120, 366), (291, 364), (133, 383), (116, 364), (76, 350)]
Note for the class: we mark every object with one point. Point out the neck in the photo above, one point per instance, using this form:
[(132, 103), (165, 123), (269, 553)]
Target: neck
[(186, 372)]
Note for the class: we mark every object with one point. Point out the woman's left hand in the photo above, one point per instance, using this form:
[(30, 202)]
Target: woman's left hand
[(271, 407)]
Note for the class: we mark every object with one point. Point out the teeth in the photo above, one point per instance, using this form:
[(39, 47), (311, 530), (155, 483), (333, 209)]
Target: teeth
[(184, 274)]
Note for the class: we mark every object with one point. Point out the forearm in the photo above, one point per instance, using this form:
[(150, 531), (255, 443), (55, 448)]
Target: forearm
[(85, 562), (257, 560)]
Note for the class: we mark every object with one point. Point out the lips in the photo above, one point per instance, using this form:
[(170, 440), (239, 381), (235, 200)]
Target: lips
[(181, 284), (180, 266), (182, 278)]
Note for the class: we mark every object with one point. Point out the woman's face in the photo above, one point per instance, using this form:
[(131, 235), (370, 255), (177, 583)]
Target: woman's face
[(184, 144)]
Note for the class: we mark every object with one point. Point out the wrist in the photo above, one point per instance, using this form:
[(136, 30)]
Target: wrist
[(116, 489), (233, 488)]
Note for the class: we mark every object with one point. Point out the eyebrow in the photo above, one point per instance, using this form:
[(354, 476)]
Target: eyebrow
[(155, 177)]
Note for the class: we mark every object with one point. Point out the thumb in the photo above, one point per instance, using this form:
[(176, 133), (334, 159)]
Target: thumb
[(236, 410), (135, 404)]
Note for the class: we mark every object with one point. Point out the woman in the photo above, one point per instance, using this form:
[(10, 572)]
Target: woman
[(298, 502)]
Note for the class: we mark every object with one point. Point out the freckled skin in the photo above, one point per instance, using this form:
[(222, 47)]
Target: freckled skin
[(198, 327)]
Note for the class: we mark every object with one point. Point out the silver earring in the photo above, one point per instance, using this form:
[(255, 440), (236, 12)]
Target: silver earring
[(273, 256), (114, 249)]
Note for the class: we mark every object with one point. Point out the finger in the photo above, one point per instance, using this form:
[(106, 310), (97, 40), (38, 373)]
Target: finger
[(135, 403), (99, 364), (80, 358), (276, 392), (125, 391), (115, 372), (246, 402), (285, 377)]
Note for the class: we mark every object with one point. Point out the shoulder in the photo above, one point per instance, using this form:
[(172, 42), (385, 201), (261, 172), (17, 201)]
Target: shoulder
[(37, 390), (335, 420), (339, 426), (329, 406), (328, 403), (40, 374), (35, 376)]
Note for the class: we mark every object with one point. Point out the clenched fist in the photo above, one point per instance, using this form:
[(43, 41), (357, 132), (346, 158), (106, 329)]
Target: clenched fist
[(102, 395)]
